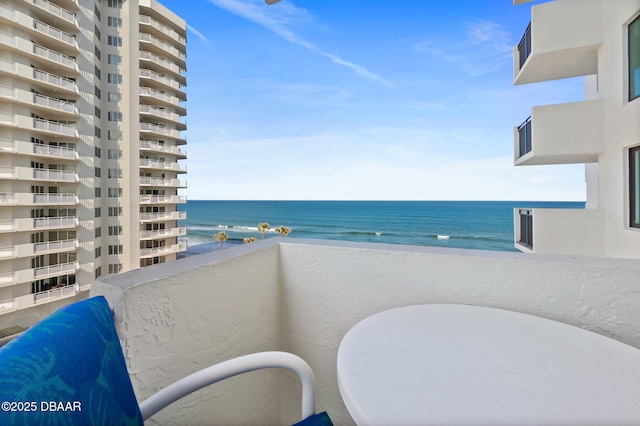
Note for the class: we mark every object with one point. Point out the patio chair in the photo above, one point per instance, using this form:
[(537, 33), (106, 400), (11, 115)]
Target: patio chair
[(69, 369)]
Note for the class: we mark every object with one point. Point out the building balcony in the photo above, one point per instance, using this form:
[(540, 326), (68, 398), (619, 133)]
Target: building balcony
[(153, 61), (302, 296), (155, 97), (27, 173), (40, 150), (51, 106), (163, 115), (56, 38), (29, 275), (31, 300), (163, 217), (29, 250), (162, 82), (561, 134), (45, 56), (37, 224), (45, 127), (161, 182), (54, 13), (162, 199), (157, 146), (26, 199), (163, 251), (160, 47), (562, 41), (149, 24), (55, 83), (163, 233), (147, 163), (559, 231)]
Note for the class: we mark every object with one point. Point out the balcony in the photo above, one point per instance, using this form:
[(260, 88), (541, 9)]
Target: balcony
[(161, 81), (52, 82), (37, 224), (26, 199), (161, 182), (561, 134), (29, 250), (302, 296), (147, 163), (162, 199), (562, 41), (52, 11), (55, 128), (163, 217), (157, 97), (163, 233), (31, 300), (164, 64), (53, 106), (28, 275), (163, 251), (160, 130), (162, 114), (40, 150), (150, 22), (559, 231), (27, 173), (157, 146), (152, 43)]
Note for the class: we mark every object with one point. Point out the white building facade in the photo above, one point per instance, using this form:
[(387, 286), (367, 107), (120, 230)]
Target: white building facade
[(91, 113), (600, 40)]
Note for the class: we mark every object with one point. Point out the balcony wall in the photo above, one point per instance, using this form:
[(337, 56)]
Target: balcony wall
[(557, 231), (303, 296), (563, 134), (565, 36)]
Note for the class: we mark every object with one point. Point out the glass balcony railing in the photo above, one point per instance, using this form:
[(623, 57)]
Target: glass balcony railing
[(524, 47), (524, 138), (526, 228)]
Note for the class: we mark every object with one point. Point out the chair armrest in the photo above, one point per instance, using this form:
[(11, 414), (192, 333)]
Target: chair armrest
[(230, 368)]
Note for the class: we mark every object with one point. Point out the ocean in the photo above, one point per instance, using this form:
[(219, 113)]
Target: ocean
[(485, 225)]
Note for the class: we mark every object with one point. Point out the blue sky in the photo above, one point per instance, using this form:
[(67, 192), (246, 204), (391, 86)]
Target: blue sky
[(362, 100)]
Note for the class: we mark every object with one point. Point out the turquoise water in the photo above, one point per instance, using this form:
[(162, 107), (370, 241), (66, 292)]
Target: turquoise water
[(486, 225)]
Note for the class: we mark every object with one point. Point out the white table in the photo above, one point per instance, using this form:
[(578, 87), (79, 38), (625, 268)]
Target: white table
[(457, 364)]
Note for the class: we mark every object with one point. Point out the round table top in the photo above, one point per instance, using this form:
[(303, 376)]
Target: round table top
[(461, 364)]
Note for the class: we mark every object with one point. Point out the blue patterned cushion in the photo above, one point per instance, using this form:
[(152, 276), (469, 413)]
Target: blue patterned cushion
[(68, 370), (320, 419)]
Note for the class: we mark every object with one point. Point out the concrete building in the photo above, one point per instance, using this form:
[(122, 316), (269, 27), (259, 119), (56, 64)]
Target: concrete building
[(600, 40), (91, 114)]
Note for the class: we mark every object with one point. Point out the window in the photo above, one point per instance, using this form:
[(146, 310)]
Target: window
[(98, 271), (97, 52), (115, 211), (114, 154), (115, 134), (634, 186), (115, 268), (114, 59), (98, 113), (115, 78), (115, 173), (96, 31), (116, 4), (634, 59), (114, 97), (114, 41), (115, 116), (96, 11), (98, 232), (115, 192), (97, 151), (97, 131), (97, 72), (112, 21), (98, 252), (97, 92), (98, 194), (97, 172), (98, 212), (115, 230), (115, 249)]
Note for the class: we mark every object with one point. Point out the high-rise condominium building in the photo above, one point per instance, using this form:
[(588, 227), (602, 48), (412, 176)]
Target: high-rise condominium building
[(599, 39), (91, 114)]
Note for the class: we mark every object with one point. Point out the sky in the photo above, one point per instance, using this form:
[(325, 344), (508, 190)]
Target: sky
[(362, 100)]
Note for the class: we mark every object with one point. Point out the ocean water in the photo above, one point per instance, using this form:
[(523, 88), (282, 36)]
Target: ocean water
[(486, 225)]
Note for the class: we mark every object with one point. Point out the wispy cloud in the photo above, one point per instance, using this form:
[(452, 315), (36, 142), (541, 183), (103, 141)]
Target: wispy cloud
[(197, 33), (486, 48), (279, 19)]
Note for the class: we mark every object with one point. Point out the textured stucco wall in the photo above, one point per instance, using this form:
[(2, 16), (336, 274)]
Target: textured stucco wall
[(328, 287), (302, 296)]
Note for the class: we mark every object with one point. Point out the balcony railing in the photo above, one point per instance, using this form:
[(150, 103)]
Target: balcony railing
[(526, 228), (154, 181), (157, 146), (55, 33), (54, 151), (55, 198), (164, 233), (524, 137), (55, 175), (53, 270), (54, 103), (55, 246), (148, 38), (162, 199), (159, 112), (156, 128), (55, 222), (524, 47), (30, 300), (161, 61), (54, 56), (175, 215), (159, 251), (56, 10), (52, 126), (147, 20), (55, 80), (158, 77), (157, 164)]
